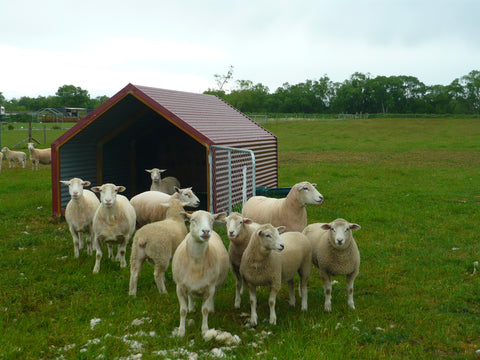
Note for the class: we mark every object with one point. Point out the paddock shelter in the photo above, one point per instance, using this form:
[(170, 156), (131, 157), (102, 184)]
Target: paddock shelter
[(191, 135)]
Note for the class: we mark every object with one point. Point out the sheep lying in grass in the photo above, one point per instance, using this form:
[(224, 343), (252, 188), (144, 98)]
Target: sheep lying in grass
[(166, 185), (199, 266), (152, 206), (290, 212), (335, 252), (271, 259), (113, 223), (14, 157), (239, 231), (79, 213), (42, 156), (157, 242)]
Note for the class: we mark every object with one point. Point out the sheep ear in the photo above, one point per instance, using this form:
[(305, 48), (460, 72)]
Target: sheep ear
[(86, 183), (121, 188), (177, 189), (326, 227), (186, 216), (314, 184), (281, 229), (247, 221), (96, 189), (220, 217), (65, 182), (354, 226), (150, 171), (162, 170)]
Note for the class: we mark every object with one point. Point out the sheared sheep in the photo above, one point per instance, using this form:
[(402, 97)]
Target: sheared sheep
[(271, 259), (113, 223), (239, 231), (14, 156), (199, 266), (157, 242), (79, 213), (290, 212), (42, 156), (152, 206), (166, 185), (335, 252)]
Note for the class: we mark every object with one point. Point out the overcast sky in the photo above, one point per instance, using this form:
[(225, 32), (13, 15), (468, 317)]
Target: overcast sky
[(103, 45)]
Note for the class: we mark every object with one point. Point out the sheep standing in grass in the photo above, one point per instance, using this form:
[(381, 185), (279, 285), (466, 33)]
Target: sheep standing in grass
[(79, 213), (157, 242), (113, 223), (239, 231), (166, 185), (14, 156), (290, 212), (152, 206), (271, 259), (199, 266), (42, 156), (335, 252)]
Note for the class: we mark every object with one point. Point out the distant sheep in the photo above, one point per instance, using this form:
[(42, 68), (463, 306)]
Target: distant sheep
[(14, 156), (42, 156), (335, 252), (157, 242), (290, 212), (166, 185), (271, 259), (151, 206), (113, 223), (199, 266), (239, 232), (79, 213)]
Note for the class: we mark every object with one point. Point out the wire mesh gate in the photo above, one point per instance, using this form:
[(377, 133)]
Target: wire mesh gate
[(232, 177)]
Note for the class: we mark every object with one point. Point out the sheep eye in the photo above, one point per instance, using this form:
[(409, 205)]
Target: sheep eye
[(305, 188), (333, 230)]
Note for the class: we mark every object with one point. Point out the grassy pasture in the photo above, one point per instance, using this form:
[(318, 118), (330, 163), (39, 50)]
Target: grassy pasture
[(412, 184)]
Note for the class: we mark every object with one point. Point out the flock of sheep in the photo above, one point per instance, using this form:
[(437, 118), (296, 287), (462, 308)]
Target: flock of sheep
[(37, 156), (269, 242)]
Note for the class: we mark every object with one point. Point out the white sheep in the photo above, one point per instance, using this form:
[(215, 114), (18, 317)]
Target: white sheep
[(335, 252), (271, 259), (166, 185), (290, 212), (79, 213), (113, 223), (199, 266), (239, 232), (152, 206), (14, 156), (42, 156), (157, 242)]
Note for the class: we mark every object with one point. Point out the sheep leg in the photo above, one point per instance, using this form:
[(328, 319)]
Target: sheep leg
[(136, 264), (207, 307), (182, 300), (291, 292), (271, 303), (239, 289), (110, 250), (327, 288), (122, 250), (98, 257), (350, 280), (159, 275), (88, 240), (304, 292), (191, 304), (75, 237), (253, 304)]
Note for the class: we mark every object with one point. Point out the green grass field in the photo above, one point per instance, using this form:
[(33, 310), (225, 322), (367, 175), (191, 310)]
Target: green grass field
[(412, 184)]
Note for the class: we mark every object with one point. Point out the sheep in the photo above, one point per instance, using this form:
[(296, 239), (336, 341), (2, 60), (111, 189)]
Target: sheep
[(239, 231), (166, 185), (79, 213), (290, 212), (152, 206), (14, 156), (199, 265), (42, 156), (335, 252), (157, 242), (271, 259), (113, 223)]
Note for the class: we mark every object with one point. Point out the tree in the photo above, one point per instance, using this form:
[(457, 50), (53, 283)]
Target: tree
[(221, 80), (71, 96)]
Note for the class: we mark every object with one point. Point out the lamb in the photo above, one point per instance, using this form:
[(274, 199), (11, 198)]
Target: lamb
[(335, 252), (113, 223), (239, 231), (42, 156), (166, 185), (152, 206), (79, 213), (199, 266), (157, 242), (14, 156), (271, 259), (290, 212)]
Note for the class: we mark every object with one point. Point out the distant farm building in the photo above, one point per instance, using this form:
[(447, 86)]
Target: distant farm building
[(189, 134)]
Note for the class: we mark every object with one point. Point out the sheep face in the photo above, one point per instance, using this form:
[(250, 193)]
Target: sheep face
[(201, 223), (108, 193), (340, 232), (75, 187), (4, 149), (155, 173), (187, 197), (235, 223), (307, 193), (269, 237)]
